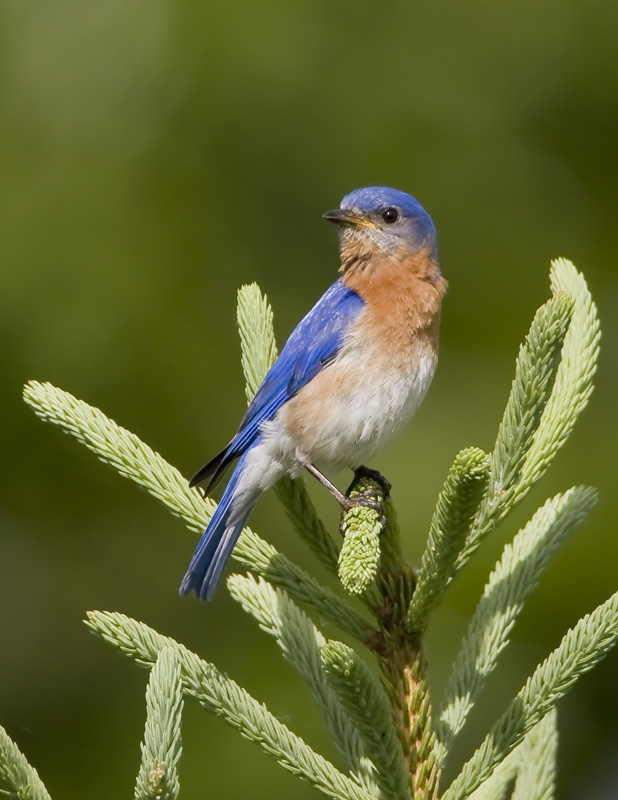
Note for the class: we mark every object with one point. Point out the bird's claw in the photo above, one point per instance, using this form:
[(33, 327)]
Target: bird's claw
[(360, 500), (374, 475), (364, 501)]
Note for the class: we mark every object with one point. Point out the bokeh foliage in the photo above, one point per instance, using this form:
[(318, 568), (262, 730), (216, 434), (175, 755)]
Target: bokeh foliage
[(154, 157)]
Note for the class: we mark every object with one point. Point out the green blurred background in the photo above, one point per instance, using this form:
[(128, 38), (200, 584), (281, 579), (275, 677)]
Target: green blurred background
[(154, 156)]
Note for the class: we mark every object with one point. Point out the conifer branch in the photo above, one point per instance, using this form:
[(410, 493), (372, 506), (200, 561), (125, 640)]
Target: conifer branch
[(457, 505), (158, 775), (301, 643), (499, 785), (536, 778), (528, 772), (257, 337), (18, 780), (277, 569), (546, 398), (121, 450), (133, 459), (573, 384), (221, 696), (535, 372), (367, 705), (515, 576), (580, 650)]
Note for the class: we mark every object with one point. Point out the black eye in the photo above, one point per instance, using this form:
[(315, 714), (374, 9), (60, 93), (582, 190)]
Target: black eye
[(390, 215)]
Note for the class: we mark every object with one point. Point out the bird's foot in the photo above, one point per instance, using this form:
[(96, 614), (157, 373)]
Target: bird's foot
[(355, 497), (367, 496), (366, 501), (364, 497)]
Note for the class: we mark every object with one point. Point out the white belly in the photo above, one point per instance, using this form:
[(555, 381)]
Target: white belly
[(347, 412)]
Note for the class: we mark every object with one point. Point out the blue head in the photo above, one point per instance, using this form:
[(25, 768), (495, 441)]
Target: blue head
[(388, 220)]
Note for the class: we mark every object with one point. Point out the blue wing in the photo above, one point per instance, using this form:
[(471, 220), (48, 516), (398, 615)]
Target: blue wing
[(312, 345)]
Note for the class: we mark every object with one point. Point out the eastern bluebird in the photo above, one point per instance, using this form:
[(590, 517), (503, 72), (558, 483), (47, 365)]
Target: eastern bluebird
[(350, 376)]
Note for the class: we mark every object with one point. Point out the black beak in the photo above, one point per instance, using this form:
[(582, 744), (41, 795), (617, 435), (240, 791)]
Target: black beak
[(336, 215), (343, 217)]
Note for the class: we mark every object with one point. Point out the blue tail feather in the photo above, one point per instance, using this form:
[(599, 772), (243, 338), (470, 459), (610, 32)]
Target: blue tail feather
[(218, 540)]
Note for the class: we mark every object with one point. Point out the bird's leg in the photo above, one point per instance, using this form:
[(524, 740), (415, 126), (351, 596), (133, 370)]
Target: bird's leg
[(313, 470), (345, 502)]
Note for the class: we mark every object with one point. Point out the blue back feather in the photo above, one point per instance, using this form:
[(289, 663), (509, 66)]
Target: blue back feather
[(313, 343)]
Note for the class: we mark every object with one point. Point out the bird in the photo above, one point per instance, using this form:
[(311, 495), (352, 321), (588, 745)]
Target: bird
[(348, 379)]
